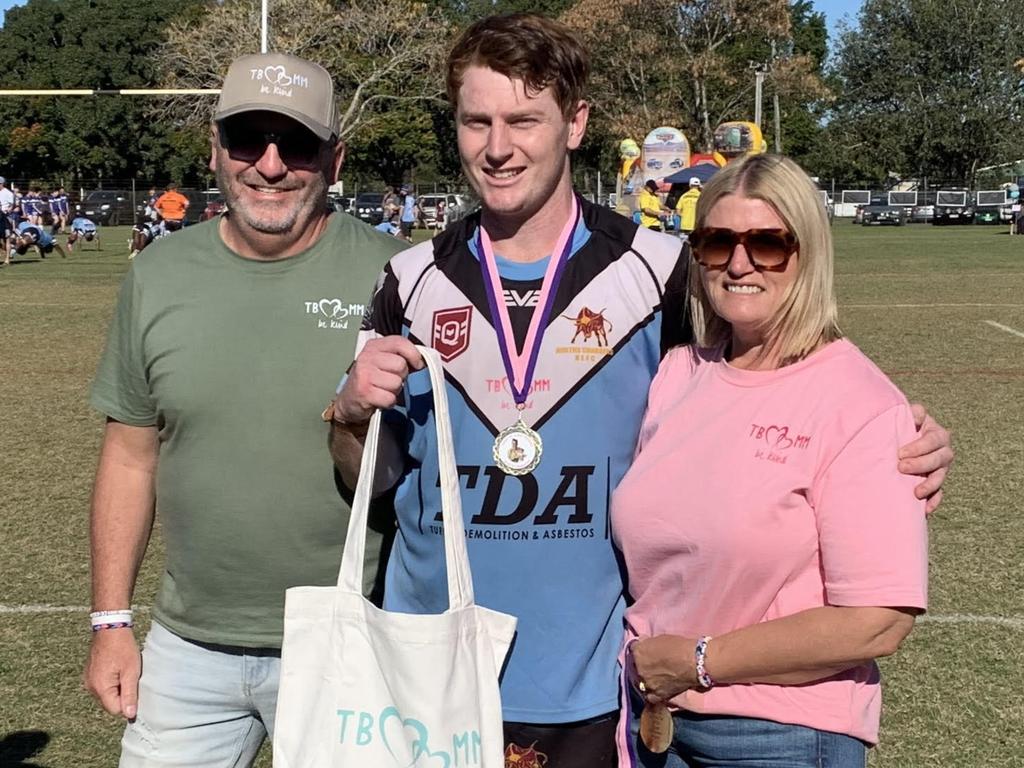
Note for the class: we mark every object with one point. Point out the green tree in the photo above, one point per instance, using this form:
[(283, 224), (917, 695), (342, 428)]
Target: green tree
[(926, 89), (687, 63), (385, 58), (65, 44)]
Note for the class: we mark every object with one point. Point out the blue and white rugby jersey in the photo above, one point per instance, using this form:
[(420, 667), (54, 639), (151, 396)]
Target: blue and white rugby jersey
[(83, 225), (43, 238), (30, 204), (539, 545)]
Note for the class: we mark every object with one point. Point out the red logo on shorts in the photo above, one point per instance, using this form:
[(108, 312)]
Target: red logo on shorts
[(524, 757), (451, 332)]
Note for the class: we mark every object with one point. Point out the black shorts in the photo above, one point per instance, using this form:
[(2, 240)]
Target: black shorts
[(407, 228), (586, 744), (172, 225)]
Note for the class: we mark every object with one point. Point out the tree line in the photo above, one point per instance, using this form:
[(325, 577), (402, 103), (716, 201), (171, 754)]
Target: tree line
[(913, 88)]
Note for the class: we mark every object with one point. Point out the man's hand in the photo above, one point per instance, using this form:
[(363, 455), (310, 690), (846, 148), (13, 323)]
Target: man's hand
[(376, 378), (112, 671), (930, 455)]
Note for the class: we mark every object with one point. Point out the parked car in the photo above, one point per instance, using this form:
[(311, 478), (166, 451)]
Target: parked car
[(368, 207), (947, 214), (455, 207), (922, 214), (951, 207), (987, 214), (880, 212), (214, 208), (340, 203), (198, 201), (108, 207)]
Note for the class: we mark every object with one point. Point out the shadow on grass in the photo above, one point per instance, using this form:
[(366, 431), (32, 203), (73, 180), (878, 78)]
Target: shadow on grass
[(17, 747)]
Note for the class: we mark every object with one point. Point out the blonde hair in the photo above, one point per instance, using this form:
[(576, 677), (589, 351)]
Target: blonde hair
[(808, 314)]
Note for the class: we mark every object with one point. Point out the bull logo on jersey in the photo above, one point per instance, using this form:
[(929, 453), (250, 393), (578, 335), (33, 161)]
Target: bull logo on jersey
[(451, 332), (591, 324), (524, 757)]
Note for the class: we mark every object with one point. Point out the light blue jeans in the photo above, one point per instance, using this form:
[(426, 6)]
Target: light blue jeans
[(200, 706), (718, 741)]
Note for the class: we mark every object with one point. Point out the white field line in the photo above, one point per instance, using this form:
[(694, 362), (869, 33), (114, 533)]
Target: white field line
[(1013, 622), (930, 306), (1006, 328), (44, 304), (31, 609)]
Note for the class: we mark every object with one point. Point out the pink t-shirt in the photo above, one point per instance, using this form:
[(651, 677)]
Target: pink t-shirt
[(759, 494)]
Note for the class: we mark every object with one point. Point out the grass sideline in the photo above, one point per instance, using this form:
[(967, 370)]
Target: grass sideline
[(917, 299)]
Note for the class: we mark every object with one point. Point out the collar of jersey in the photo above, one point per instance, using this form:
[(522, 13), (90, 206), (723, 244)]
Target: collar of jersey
[(534, 270)]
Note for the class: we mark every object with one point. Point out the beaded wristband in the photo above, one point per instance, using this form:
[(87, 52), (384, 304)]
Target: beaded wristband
[(112, 625), (700, 654), (111, 619)]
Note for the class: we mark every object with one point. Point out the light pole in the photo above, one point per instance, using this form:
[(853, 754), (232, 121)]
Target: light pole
[(263, 26)]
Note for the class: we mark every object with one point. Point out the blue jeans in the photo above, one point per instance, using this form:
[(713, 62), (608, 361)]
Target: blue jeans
[(200, 706), (721, 741)]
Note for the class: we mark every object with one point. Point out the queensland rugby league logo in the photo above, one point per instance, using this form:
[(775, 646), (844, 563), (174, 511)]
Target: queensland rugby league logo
[(450, 336)]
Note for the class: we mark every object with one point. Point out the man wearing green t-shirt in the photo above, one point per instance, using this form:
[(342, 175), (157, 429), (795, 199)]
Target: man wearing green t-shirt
[(224, 347)]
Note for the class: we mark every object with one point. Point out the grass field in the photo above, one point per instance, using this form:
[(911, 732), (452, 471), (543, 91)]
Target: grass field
[(937, 308)]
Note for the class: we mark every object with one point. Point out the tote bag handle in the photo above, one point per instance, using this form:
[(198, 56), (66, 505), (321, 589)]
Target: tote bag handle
[(460, 580)]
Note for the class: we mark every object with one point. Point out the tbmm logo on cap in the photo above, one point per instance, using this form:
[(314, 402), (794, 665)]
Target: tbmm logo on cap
[(278, 79)]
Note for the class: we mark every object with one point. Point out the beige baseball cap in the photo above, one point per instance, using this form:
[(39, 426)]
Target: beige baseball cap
[(282, 83)]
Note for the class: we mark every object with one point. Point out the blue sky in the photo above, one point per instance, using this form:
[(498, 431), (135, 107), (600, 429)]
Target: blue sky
[(5, 4), (834, 10)]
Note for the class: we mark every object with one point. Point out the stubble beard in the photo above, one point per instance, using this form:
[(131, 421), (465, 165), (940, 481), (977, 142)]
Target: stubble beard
[(284, 221)]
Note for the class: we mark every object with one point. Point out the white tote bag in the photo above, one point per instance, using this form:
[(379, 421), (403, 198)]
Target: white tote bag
[(365, 688)]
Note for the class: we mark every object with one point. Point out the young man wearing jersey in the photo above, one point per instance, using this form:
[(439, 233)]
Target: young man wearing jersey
[(83, 228), (35, 235), (590, 300)]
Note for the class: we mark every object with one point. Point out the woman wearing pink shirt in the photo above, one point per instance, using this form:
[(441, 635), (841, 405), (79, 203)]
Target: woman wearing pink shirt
[(773, 548)]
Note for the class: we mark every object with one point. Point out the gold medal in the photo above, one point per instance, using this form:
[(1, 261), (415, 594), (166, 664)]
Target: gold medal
[(656, 727), (517, 449)]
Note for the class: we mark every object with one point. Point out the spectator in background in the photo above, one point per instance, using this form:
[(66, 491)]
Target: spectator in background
[(687, 207), (30, 206), (17, 216), (171, 206), (7, 222), (409, 212), (650, 207), (390, 226), (6, 200), (150, 209), (59, 207), (440, 212), (391, 204)]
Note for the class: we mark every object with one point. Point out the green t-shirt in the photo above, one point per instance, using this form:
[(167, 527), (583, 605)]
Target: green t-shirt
[(233, 360)]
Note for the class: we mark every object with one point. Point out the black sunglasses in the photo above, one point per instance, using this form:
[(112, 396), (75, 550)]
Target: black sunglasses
[(767, 249), (298, 148)]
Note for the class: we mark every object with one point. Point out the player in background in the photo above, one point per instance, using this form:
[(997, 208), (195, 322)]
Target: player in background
[(84, 229)]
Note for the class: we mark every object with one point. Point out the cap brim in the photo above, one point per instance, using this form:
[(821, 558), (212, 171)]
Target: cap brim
[(322, 132)]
